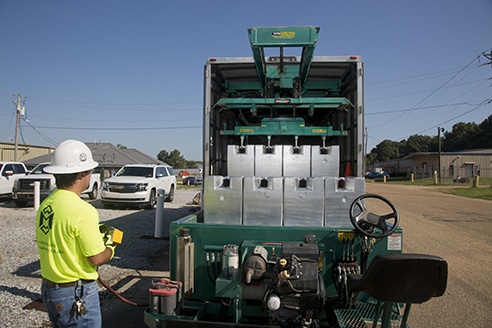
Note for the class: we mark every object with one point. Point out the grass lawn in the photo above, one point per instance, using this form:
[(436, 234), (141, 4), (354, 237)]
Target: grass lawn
[(483, 191), (480, 192)]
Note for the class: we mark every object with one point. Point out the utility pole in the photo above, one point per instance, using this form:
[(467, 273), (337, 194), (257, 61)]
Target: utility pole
[(439, 130), (20, 111), (488, 56), (366, 135), (366, 139)]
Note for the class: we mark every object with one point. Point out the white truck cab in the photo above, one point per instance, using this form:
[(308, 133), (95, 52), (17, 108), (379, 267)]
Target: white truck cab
[(23, 187), (9, 172)]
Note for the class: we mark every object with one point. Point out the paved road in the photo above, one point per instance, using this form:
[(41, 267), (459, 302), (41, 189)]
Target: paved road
[(459, 230)]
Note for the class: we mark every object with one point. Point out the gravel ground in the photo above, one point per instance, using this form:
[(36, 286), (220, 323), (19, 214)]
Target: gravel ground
[(19, 262)]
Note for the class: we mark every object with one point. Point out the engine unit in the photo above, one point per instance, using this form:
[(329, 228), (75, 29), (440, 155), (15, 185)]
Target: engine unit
[(283, 279)]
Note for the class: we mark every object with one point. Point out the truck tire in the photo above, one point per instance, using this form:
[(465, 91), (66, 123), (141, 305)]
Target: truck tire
[(20, 203), (170, 196), (94, 192), (152, 200)]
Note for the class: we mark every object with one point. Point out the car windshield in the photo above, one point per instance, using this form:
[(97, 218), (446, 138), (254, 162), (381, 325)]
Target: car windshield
[(39, 169), (136, 171)]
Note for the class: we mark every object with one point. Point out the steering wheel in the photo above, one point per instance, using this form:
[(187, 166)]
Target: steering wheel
[(365, 221)]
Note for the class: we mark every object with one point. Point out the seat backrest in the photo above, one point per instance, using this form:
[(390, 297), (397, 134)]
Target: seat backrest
[(403, 278)]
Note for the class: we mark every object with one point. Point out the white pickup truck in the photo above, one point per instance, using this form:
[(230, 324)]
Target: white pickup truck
[(138, 184), (9, 172), (23, 189)]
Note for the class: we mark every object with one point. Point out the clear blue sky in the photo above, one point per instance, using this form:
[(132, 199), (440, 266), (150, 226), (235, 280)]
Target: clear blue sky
[(130, 72)]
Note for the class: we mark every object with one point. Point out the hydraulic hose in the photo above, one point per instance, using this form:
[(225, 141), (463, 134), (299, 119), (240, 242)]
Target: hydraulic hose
[(115, 293)]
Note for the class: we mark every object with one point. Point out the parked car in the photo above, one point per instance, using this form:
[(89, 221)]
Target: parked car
[(9, 172), (23, 188), (192, 180), (377, 175), (137, 184)]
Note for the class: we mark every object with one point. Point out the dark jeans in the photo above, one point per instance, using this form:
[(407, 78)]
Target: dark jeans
[(60, 304)]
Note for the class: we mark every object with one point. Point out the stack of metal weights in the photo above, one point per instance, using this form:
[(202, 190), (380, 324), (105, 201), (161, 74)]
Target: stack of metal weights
[(281, 186)]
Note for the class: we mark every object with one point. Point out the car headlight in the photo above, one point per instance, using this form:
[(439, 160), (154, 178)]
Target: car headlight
[(105, 186), (141, 186)]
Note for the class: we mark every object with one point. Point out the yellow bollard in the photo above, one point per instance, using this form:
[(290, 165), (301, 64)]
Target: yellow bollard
[(412, 177), (435, 177), (476, 178)]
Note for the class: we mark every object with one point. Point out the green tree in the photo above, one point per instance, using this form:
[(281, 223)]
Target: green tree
[(462, 136), (386, 150), (371, 158), (415, 144), (484, 137), (193, 164), (173, 158)]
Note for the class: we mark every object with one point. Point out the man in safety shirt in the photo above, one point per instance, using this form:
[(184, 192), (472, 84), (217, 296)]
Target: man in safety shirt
[(69, 241)]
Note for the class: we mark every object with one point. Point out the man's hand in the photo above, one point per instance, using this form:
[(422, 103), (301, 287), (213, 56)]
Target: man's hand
[(110, 235), (106, 234)]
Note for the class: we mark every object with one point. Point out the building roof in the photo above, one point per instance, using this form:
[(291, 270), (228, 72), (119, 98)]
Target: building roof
[(107, 155)]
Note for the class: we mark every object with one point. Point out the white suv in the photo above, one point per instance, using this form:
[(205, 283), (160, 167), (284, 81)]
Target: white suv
[(137, 184), (9, 172)]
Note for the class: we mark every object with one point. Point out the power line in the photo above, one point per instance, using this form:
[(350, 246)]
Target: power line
[(420, 118), (45, 137), (419, 108), (412, 79), (435, 91), (112, 120), (118, 129), (113, 104), (485, 102), (423, 91)]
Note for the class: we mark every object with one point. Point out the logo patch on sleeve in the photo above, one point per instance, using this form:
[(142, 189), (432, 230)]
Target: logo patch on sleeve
[(46, 219)]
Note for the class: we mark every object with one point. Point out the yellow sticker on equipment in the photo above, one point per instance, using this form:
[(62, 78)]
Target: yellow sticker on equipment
[(345, 235), (284, 35), (246, 130), (318, 130)]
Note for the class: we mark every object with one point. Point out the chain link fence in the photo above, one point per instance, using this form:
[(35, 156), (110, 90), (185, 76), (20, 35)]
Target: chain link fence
[(453, 175)]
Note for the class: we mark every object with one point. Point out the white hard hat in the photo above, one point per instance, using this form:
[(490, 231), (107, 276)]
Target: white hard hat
[(71, 156)]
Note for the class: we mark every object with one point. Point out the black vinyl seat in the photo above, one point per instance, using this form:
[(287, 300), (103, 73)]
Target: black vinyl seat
[(401, 278)]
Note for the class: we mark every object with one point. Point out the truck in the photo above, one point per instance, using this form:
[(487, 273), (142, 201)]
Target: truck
[(139, 185), (9, 172), (286, 235), (23, 187)]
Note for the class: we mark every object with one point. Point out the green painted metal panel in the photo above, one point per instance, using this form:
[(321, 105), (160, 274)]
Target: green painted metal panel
[(283, 36), (285, 126), (204, 236), (321, 103), (315, 89)]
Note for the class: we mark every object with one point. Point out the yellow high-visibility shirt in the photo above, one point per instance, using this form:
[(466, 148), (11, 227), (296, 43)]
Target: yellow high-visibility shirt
[(67, 232)]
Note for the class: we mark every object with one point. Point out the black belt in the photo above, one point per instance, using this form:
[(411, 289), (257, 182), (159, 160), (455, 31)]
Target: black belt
[(66, 284)]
